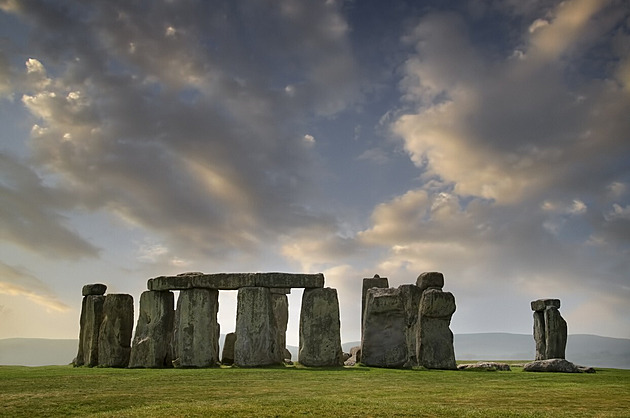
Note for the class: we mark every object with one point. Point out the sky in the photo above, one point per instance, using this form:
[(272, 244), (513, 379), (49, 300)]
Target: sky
[(485, 139)]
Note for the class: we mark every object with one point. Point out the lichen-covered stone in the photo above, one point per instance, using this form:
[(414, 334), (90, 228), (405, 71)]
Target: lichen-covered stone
[(90, 326), (430, 279), (551, 365), (555, 334), (256, 334), (539, 335), (411, 295), (320, 337), (227, 357), (368, 283), (542, 304), (151, 346), (233, 281), (196, 339), (384, 342), (437, 304), (95, 289), (434, 342), (114, 340), (280, 304)]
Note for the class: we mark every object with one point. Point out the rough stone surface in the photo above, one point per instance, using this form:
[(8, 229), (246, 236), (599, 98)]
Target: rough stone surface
[(90, 326), (430, 279), (551, 365), (437, 304), (196, 339), (434, 342), (227, 357), (542, 304), (320, 329), (368, 283), (95, 289), (355, 356), (555, 334), (234, 281), (384, 342), (490, 366), (411, 295), (256, 334), (151, 346), (114, 340), (280, 304), (539, 334)]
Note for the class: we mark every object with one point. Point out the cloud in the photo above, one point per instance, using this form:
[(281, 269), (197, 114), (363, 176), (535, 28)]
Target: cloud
[(16, 281)]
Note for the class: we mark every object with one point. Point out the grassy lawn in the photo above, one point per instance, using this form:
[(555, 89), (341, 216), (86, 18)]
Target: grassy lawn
[(296, 391)]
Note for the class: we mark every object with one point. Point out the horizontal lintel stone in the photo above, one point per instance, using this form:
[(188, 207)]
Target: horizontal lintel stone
[(542, 304), (234, 281)]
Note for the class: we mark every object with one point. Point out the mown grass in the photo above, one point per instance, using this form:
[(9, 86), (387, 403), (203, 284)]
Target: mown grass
[(296, 391)]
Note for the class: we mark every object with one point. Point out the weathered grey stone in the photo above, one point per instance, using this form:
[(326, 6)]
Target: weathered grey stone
[(555, 334), (280, 305), (256, 335), (287, 356), (114, 340), (90, 326), (411, 295), (384, 342), (434, 342), (437, 304), (151, 346), (233, 281), (320, 329), (227, 357), (542, 304), (551, 365), (539, 334), (490, 366), (196, 339), (95, 289), (368, 283), (355, 356), (430, 279)]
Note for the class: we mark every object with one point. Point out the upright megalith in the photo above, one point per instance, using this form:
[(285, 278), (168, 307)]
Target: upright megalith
[(256, 334), (280, 305), (114, 340), (154, 331), (196, 336), (368, 283), (320, 329), (227, 356), (90, 326), (550, 329), (384, 341), (434, 342), (411, 295)]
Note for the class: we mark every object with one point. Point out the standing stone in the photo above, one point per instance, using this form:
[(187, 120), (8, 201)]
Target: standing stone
[(384, 342), (90, 326), (256, 334), (550, 329), (227, 357), (434, 343), (368, 283), (280, 304), (411, 295), (196, 340), (320, 337), (114, 340), (154, 331)]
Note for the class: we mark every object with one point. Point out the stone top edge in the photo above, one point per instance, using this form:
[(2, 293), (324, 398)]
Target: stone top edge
[(233, 281)]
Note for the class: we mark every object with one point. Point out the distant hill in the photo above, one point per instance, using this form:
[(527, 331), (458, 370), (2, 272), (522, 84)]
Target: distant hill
[(588, 350)]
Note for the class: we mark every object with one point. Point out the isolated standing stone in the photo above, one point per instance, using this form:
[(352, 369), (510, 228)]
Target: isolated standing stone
[(154, 331), (434, 337), (114, 340), (550, 329), (384, 342), (227, 357), (196, 340), (256, 334), (320, 337), (90, 326)]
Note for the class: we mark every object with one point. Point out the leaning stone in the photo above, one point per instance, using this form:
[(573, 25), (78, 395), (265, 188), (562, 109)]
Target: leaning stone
[(542, 304), (320, 329), (384, 342), (196, 341), (114, 340), (430, 279), (151, 346), (227, 357), (551, 365), (555, 334), (437, 304), (96, 289), (256, 334), (90, 326)]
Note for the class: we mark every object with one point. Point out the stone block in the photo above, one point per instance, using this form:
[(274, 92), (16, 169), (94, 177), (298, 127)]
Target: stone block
[(95, 289), (90, 327), (151, 346), (555, 334), (435, 344), (542, 304), (234, 281), (114, 340), (280, 306), (539, 335), (437, 304), (411, 296), (320, 337), (430, 279), (368, 283), (227, 357)]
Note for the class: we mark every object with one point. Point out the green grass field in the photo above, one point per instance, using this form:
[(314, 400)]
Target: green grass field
[(296, 391)]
